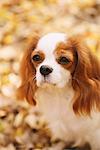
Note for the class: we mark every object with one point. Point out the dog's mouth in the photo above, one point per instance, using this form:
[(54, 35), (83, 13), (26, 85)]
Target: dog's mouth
[(47, 82)]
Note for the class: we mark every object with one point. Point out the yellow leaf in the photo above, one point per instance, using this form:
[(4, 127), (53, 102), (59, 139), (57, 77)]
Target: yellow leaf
[(8, 39)]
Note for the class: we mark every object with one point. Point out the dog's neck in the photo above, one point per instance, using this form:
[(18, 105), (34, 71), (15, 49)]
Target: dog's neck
[(51, 93), (56, 106), (52, 98)]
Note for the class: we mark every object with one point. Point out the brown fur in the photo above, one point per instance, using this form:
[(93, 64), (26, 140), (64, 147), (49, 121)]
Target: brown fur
[(85, 76), (27, 74), (85, 79), (85, 69), (40, 53), (66, 50)]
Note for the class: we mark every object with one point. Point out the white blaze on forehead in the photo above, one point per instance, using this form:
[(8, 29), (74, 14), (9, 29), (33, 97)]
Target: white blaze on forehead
[(49, 42)]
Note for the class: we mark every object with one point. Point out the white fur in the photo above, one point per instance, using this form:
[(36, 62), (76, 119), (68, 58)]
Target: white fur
[(56, 107), (59, 76), (55, 98), (49, 42)]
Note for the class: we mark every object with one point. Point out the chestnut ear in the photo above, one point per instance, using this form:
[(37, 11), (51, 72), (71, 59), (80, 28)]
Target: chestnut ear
[(27, 91), (27, 73), (85, 79)]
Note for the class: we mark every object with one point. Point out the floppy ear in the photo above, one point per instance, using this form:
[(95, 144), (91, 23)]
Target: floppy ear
[(27, 74), (85, 79)]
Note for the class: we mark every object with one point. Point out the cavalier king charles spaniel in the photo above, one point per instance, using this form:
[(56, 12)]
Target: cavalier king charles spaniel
[(61, 76)]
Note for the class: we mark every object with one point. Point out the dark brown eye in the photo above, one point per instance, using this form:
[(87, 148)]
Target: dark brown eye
[(63, 60), (36, 57)]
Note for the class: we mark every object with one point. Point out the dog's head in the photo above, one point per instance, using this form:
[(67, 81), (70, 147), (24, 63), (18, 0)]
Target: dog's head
[(56, 60)]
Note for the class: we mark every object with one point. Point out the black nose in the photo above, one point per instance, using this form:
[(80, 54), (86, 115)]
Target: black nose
[(45, 70)]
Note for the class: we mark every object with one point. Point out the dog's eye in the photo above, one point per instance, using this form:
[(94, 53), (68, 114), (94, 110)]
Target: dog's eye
[(36, 57), (63, 60)]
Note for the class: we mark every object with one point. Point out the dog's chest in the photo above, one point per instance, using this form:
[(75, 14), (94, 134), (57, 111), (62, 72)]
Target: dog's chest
[(57, 110)]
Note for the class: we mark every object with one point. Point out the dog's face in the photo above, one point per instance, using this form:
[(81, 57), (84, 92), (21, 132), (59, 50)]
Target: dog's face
[(53, 60), (56, 60)]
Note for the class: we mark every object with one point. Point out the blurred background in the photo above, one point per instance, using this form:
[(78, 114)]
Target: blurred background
[(21, 126)]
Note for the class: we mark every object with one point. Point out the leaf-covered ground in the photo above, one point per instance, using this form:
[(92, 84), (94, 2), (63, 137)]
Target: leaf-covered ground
[(21, 125)]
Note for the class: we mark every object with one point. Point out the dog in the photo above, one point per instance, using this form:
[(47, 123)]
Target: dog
[(61, 76)]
